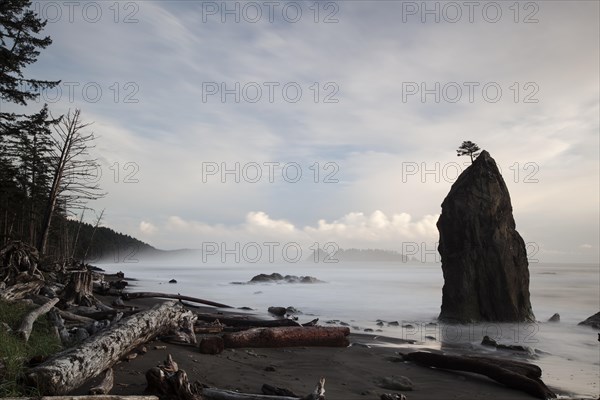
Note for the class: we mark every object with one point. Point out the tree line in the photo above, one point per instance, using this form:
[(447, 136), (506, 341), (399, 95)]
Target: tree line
[(46, 167)]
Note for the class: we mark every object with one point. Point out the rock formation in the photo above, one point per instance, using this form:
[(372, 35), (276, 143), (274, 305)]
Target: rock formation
[(484, 260)]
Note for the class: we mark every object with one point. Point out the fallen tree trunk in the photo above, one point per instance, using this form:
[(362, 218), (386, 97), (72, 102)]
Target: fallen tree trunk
[(244, 322), (24, 330), (69, 369), (289, 337), (76, 318), (488, 367), (141, 295)]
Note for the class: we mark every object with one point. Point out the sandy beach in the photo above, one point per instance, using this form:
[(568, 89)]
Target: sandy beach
[(354, 372)]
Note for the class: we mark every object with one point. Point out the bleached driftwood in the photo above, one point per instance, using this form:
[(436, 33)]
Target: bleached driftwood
[(106, 385), (141, 295), (512, 375), (24, 330), (69, 369), (289, 337), (21, 290), (75, 318)]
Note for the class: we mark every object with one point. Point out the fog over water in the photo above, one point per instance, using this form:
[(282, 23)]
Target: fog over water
[(360, 294)]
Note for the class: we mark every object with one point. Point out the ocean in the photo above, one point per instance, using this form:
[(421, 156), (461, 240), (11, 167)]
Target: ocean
[(363, 294)]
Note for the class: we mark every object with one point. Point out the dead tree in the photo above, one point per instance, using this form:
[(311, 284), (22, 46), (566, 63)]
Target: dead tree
[(73, 180), (67, 370)]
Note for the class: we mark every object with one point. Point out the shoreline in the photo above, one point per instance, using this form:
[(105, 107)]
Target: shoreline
[(352, 373)]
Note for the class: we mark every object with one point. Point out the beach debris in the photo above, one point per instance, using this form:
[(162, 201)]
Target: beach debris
[(396, 383), (554, 318), (140, 295), (71, 368), (484, 259), (288, 337), (220, 394), (513, 374), (24, 330), (244, 322), (593, 321), (168, 381), (106, 385), (393, 396)]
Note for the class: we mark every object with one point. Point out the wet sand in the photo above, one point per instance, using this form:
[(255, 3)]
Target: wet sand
[(351, 373)]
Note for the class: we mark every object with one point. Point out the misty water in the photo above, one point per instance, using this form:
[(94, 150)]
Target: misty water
[(360, 294)]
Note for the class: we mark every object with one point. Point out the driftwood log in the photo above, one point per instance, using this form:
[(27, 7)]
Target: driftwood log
[(220, 394), (512, 375), (106, 385), (289, 337), (24, 330), (69, 369), (21, 290), (141, 295), (247, 322)]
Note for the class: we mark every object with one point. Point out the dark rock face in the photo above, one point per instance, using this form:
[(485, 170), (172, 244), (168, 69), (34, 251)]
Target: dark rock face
[(593, 321), (484, 260)]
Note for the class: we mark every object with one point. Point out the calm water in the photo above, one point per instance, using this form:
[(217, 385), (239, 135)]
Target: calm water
[(360, 294)]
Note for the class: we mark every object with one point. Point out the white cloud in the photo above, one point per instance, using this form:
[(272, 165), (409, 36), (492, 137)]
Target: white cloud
[(586, 246), (147, 228)]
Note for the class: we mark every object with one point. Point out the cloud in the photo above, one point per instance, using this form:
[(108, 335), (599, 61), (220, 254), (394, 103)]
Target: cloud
[(355, 229), (147, 228), (586, 246)]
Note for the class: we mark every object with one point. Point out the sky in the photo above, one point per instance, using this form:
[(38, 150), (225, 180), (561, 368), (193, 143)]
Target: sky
[(333, 123)]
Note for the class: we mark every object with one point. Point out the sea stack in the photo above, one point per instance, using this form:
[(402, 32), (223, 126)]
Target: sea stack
[(484, 259)]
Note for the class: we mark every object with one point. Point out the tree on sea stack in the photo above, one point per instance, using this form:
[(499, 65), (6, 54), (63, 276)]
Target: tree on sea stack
[(468, 148), (484, 259)]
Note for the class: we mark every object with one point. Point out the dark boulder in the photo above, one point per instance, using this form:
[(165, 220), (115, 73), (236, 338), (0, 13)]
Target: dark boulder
[(278, 311), (274, 277), (555, 318), (484, 259), (593, 321)]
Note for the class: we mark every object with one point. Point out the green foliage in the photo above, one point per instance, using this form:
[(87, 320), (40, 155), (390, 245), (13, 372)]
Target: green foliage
[(19, 47), (468, 148), (15, 353)]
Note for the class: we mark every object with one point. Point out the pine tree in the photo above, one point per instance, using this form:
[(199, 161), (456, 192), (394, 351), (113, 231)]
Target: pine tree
[(19, 47), (468, 148)]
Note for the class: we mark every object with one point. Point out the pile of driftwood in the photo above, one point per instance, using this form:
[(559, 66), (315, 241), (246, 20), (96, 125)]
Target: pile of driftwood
[(97, 335)]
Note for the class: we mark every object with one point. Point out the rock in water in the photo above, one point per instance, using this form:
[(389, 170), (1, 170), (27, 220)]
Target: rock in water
[(484, 259)]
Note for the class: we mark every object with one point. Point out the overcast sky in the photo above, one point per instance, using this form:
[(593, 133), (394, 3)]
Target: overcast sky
[(367, 100)]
